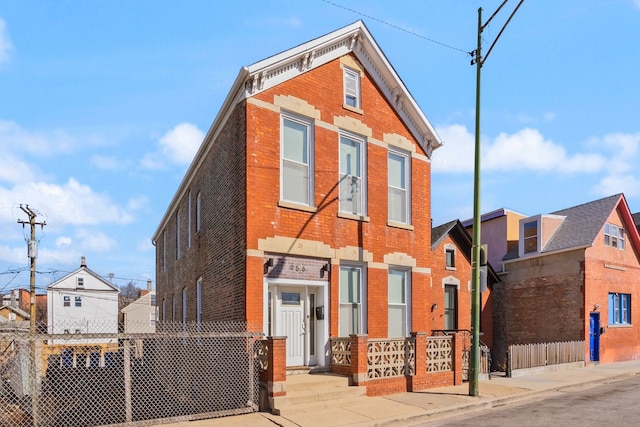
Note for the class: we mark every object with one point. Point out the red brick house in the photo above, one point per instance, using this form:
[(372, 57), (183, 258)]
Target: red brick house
[(306, 211), (451, 289), (574, 275)]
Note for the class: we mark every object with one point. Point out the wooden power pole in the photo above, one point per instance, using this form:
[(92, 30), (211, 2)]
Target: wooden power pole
[(33, 253)]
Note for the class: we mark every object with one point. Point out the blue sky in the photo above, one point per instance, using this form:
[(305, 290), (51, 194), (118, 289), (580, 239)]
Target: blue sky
[(104, 103)]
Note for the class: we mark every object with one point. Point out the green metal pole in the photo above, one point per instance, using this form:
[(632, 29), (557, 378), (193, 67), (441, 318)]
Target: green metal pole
[(474, 357)]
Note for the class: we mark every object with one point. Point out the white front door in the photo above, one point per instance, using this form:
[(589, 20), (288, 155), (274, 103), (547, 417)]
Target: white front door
[(292, 323)]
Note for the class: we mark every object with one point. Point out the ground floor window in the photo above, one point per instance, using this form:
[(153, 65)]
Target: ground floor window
[(619, 309), (398, 295), (351, 317)]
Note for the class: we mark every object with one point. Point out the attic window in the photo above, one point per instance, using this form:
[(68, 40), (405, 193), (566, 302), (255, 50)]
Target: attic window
[(80, 282), (614, 236), (351, 88), (450, 256), (530, 236)]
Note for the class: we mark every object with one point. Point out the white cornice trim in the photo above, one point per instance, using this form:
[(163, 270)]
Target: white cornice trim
[(288, 64)]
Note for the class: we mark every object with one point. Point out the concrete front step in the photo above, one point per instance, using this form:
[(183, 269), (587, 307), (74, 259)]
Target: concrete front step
[(315, 392)]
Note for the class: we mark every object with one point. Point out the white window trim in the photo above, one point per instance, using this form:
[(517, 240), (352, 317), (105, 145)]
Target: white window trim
[(363, 168), (189, 220), (184, 309), (407, 180), (452, 248), (199, 304), (178, 235), (310, 154), (407, 297), (538, 220), (357, 94), (164, 251), (198, 210), (363, 296)]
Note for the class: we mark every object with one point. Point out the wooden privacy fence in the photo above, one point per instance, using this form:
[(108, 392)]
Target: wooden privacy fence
[(523, 356)]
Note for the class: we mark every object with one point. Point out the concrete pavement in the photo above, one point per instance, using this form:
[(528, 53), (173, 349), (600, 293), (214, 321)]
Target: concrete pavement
[(405, 409)]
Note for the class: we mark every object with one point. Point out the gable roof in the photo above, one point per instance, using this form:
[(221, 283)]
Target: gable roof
[(16, 310), (461, 237), (267, 73), (582, 224), (636, 220), (63, 284), (143, 301), (453, 228)]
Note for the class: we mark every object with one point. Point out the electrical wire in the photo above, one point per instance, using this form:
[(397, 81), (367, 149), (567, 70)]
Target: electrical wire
[(413, 33)]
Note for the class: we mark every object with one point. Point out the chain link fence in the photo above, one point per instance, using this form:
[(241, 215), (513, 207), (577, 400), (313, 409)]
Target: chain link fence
[(180, 372)]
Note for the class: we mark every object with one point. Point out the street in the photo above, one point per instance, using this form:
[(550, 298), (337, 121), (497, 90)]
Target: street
[(611, 404)]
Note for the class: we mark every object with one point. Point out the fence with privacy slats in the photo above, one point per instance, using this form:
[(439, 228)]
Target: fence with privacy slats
[(524, 356), (180, 372)]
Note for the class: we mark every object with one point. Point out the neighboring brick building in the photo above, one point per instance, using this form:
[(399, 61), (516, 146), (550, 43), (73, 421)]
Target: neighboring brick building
[(306, 211), (574, 275), (451, 290)]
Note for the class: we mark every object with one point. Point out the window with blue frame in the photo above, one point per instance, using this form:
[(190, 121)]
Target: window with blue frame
[(619, 309)]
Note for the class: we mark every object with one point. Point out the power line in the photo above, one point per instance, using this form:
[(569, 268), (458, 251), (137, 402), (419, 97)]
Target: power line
[(413, 33)]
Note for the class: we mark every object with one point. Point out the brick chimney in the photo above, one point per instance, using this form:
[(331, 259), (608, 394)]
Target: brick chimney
[(83, 262)]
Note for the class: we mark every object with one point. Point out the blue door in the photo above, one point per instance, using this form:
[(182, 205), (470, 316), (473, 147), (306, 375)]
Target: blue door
[(594, 337)]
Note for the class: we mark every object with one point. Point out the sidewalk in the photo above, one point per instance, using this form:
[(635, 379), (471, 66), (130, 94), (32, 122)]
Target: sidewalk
[(405, 409)]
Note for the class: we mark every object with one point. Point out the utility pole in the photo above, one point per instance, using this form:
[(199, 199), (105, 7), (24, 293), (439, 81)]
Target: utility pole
[(33, 253), (478, 60)]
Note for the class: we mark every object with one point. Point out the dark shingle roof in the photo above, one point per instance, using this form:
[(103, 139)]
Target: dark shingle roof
[(582, 224), (636, 220), (440, 232)]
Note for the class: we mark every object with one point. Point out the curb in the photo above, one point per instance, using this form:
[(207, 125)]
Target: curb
[(488, 403)]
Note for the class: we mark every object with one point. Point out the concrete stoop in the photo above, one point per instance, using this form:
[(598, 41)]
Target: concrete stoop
[(316, 392)]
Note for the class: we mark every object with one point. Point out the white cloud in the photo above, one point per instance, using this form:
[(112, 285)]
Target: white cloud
[(613, 184), (63, 242), (15, 170), (177, 146), (71, 203), (6, 47), (16, 255), (15, 138), (456, 155), (145, 245), (636, 3), (526, 149), (181, 143), (137, 203), (94, 241), (623, 145), (107, 163)]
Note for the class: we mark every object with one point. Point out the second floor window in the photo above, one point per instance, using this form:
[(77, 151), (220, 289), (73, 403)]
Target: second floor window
[(296, 177), (614, 236), (78, 301), (398, 177), (450, 258), (352, 179), (530, 236)]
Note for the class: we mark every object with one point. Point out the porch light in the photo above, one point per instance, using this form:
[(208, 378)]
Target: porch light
[(267, 265)]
